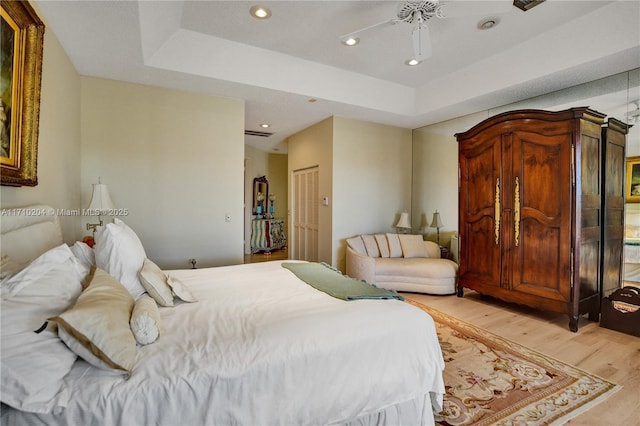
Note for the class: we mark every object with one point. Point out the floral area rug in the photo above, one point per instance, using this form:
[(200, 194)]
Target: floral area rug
[(490, 380)]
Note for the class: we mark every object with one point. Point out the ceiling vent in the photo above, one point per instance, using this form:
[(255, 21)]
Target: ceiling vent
[(526, 4), (257, 133)]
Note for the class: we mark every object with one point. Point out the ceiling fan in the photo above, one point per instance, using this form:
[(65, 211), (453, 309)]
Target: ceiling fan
[(417, 13)]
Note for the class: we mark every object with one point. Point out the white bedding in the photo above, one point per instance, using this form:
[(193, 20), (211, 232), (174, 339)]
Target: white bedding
[(262, 347)]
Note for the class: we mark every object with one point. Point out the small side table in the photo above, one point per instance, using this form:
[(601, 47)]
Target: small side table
[(444, 252)]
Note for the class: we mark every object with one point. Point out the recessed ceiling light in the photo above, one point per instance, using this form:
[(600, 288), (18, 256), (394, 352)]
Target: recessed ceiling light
[(488, 23), (351, 41), (260, 12), (312, 100), (412, 62), (265, 125)]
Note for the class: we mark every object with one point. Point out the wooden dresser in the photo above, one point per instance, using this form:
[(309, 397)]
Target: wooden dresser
[(531, 210)]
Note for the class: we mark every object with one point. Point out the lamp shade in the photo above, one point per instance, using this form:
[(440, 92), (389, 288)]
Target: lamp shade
[(100, 199), (403, 222), (436, 222)]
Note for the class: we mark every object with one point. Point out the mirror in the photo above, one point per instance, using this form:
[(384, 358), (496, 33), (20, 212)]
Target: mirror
[(260, 195)]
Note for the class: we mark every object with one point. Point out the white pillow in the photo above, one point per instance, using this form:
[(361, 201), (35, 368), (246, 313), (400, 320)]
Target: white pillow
[(99, 322), (155, 282), (84, 253), (9, 267), (180, 290), (120, 253), (34, 364), (145, 320)]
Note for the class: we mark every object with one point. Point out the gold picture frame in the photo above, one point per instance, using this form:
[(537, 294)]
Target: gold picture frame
[(21, 38), (632, 189)]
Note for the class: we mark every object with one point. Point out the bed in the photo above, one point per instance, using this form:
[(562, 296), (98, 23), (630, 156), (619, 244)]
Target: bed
[(256, 346)]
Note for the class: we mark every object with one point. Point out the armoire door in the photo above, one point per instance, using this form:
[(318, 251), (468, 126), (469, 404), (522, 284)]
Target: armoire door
[(540, 235), (480, 205)]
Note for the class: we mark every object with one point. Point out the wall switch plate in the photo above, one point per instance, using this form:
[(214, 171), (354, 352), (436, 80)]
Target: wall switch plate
[(227, 217), (325, 201)]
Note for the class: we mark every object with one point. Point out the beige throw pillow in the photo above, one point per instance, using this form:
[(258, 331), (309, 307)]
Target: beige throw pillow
[(383, 245), (394, 245), (371, 245), (155, 282), (413, 246), (99, 322), (145, 320), (180, 290)]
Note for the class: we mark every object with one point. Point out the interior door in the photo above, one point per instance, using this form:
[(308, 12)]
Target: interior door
[(305, 214)]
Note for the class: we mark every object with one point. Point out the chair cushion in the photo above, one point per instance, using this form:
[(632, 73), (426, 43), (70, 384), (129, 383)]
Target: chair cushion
[(419, 267)]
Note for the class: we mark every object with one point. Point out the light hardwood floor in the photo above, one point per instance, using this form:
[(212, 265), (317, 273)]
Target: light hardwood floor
[(280, 254), (609, 354)]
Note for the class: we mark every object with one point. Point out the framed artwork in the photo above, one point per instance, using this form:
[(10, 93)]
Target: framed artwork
[(633, 180), (21, 40)]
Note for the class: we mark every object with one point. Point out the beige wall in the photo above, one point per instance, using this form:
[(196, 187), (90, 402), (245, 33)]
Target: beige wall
[(309, 148), (278, 181), (175, 160), (371, 180), (58, 142), (365, 171)]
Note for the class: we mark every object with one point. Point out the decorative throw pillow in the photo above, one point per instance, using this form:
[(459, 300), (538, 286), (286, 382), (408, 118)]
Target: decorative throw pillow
[(413, 246), (395, 250), (383, 245), (99, 322), (357, 244), (120, 253), (180, 290), (155, 282), (371, 245), (145, 320)]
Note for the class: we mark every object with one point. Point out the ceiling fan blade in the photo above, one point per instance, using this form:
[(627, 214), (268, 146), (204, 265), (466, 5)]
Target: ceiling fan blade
[(369, 28), (421, 43), (456, 9)]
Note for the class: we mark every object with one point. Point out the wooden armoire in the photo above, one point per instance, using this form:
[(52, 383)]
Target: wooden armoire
[(532, 209)]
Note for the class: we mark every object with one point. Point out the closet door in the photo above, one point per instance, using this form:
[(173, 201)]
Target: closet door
[(305, 214), (540, 234), (480, 205)]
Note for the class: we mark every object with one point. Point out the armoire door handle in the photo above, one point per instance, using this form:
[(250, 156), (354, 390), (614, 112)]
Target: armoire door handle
[(516, 212), (496, 206)]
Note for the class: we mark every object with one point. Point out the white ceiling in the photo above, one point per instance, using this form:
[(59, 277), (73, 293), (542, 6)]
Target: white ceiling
[(277, 65)]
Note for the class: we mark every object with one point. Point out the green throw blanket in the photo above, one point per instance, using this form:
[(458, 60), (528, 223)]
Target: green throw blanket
[(325, 278)]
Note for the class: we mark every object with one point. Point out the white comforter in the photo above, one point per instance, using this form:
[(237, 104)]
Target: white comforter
[(261, 347)]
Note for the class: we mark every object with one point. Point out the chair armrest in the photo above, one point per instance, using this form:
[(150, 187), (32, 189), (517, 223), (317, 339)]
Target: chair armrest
[(360, 266)]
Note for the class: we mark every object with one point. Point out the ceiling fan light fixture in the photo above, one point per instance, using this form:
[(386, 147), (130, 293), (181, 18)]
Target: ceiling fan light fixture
[(488, 23), (350, 41), (260, 12)]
